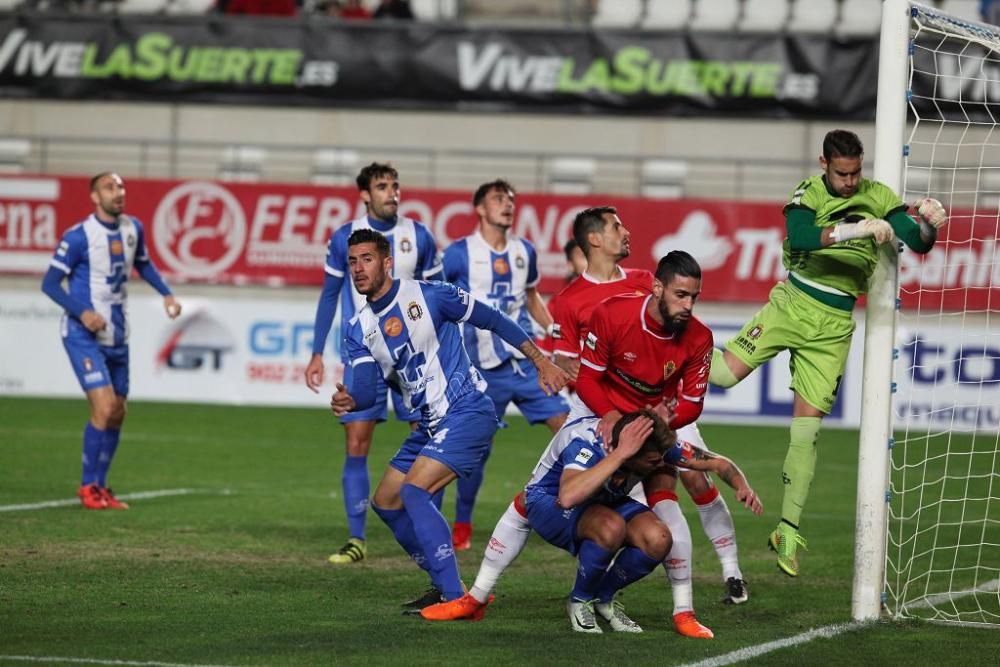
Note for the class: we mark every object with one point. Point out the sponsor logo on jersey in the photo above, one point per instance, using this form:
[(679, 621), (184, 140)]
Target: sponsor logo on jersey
[(629, 356), (393, 326), (639, 385), (668, 369), (584, 456), (500, 266), (753, 334), (414, 311), (405, 246), (591, 341), (116, 247), (63, 248), (556, 331), (95, 376)]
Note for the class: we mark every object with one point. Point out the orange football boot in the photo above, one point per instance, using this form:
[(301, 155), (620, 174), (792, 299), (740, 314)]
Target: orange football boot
[(112, 502), (688, 626), (92, 497), (465, 608)]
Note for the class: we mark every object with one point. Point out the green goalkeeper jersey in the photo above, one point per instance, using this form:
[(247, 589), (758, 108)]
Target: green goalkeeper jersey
[(842, 269)]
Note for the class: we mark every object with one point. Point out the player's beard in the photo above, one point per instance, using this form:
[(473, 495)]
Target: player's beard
[(671, 323), (112, 209)]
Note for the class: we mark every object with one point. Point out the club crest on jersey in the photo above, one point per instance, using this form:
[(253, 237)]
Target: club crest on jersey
[(130, 240), (88, 365), (393, 326), (414, 311), (755, 332), (405, 246), (668, 369), (519, 262), (116, 247), (591, 341), (500, 266)]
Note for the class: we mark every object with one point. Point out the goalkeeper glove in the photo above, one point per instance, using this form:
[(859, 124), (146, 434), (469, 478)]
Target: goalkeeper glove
[(879, 229), (932, 212)]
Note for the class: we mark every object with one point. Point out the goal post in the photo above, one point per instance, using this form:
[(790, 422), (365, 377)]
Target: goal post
[(880, 325), (928, 508)]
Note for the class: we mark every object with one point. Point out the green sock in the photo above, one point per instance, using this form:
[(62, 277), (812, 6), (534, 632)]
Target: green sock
[(800, 464), (720, 375)]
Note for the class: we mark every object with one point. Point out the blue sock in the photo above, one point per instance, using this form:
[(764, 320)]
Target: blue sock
[(468, 489), (594, 561), (434, 534), (438, 499), (402, 529), (356, 489), (110, 446), (631, 565), (93, 441)]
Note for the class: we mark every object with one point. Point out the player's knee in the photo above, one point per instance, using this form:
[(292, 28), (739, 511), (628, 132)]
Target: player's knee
[(102, 414), (610, 532), (117, 417), (656, 541), (696, 483)]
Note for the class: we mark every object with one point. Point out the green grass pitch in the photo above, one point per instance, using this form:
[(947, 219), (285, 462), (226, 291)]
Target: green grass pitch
[(235, 573)]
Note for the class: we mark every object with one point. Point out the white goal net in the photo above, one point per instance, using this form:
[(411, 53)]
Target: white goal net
[(943, 541)]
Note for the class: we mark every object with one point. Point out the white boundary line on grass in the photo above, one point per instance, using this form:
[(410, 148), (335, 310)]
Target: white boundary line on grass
[(139, 495), (95, 661), (751, 652)]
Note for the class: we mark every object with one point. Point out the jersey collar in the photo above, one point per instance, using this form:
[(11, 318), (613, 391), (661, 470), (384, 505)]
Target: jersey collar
[(589, 278), (650, 325)]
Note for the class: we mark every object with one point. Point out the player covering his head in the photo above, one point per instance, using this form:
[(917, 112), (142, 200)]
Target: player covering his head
[(836, 222), (578, 499)]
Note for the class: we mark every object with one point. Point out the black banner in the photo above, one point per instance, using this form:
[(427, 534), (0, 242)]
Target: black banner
[(320, 62)]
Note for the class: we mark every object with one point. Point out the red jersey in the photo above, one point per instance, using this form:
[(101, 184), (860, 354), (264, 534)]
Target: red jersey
[(630, 361), (576, 303)]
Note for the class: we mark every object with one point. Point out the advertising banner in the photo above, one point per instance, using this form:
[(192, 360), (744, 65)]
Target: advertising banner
[(276, 234), (416, 65), (254, 351)]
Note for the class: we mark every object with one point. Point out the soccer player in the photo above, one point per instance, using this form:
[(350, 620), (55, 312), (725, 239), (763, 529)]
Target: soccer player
[(835, 222), (576, 261), (499, 269), (578, 499), (415, 256), (407, 333), (96, 258)]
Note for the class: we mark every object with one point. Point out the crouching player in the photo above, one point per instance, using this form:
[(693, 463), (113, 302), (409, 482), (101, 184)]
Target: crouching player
[(578, 499)]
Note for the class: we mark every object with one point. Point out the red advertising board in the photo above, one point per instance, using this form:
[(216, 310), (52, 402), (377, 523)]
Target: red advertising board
[(275, 234)]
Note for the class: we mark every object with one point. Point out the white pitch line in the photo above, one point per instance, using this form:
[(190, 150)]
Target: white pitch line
[(139, 495), (94, 661), (751, 652)]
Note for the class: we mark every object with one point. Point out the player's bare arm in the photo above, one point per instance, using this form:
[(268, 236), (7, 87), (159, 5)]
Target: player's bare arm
[(342, 402), (575, 486), (551, 378), (314, 373), (536, 308), (729, 473)]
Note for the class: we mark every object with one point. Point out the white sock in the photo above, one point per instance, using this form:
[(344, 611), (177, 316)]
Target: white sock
[(678, 561), (506, 543), (718, 525)]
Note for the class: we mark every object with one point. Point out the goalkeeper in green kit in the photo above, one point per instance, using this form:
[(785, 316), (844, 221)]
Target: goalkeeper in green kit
[(835, 222)]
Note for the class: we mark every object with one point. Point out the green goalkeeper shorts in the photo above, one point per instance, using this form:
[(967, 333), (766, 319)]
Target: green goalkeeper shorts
[(817, 336)]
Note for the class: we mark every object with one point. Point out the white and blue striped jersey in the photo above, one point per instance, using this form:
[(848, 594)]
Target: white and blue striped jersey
[(98, 261), (411, 245), (414, 338), (498, 278)]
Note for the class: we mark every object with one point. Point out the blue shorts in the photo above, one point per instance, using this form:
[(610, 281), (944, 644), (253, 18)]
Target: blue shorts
[(461, 440), (557, 526), (517, 380), (97, 365), (378, 412)]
